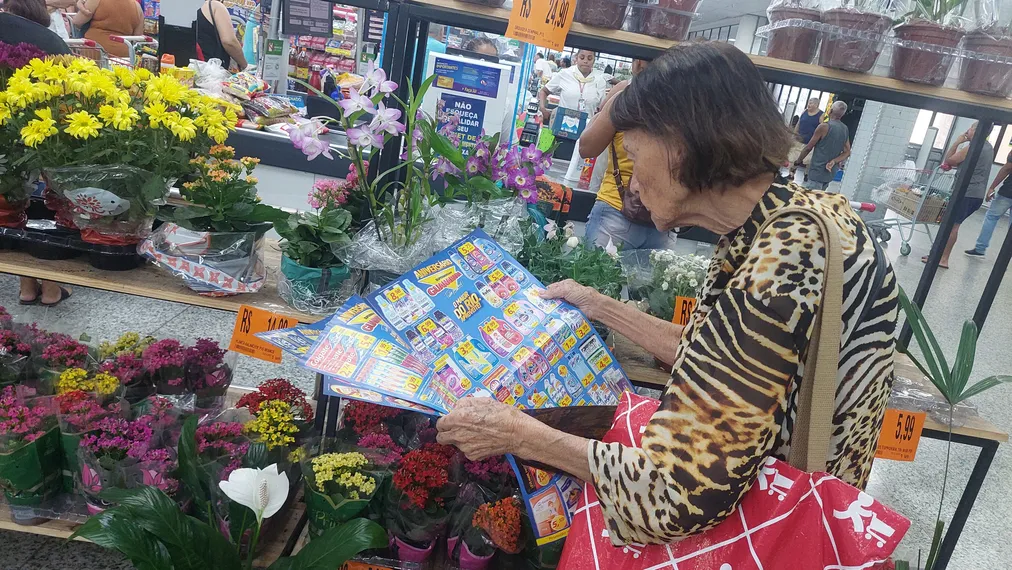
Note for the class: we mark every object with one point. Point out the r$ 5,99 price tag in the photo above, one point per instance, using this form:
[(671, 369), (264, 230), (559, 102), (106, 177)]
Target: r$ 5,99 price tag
[(248, 322), (901, 433), (541, 22)]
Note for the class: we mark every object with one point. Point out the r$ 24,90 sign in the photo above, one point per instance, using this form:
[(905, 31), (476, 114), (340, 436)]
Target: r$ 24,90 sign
[(251, 320), (541, 22)]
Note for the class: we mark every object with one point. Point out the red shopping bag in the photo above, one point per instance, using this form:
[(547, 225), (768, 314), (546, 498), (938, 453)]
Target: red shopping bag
[(788, 520)]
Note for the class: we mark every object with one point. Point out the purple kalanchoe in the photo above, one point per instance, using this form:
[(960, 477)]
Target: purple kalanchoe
[(356, 102), (364, 137), (385, 120)]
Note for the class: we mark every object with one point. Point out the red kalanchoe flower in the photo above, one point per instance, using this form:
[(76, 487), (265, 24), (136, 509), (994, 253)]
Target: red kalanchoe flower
[(501, 522), (79, 411), (62, 351), (278, 389), (126, 367), (368, 418), (423, 472)]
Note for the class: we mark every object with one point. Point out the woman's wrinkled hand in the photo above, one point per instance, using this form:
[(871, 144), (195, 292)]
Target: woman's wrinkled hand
[(584, 298), (482, 427)]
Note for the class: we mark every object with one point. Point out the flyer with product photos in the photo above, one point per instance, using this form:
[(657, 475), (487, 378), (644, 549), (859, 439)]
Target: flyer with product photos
[(468, 321)]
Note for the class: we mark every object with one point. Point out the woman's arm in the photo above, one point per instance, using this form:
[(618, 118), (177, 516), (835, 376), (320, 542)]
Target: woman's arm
[(599, 134), (226, 33), (659, 337), (85, 11)]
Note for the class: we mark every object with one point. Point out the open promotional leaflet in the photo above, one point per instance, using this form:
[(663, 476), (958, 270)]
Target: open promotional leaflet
[(468, 321)]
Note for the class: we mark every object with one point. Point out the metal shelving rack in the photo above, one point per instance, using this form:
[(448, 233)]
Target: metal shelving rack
[(405, 48)]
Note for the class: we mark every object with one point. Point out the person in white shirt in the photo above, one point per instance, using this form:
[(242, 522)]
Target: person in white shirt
[(580, 87), (542, 68), (58, 23)]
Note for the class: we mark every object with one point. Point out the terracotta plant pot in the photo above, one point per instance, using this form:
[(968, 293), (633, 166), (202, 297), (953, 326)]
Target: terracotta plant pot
[(13, 214), (665, 19), (601, 13), (977, 74), (848, 53), (793, 44), (918, 65)]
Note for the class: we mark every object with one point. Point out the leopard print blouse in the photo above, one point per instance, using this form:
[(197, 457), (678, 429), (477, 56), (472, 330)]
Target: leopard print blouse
[(730, 402)]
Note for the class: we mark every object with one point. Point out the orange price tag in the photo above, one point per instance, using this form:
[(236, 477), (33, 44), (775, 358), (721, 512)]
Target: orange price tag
[(684, 306), (901, 433), (356, 565), (248, 322), (541, 22)]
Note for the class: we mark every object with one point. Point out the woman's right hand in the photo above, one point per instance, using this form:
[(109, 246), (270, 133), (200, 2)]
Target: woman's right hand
[(584, 298)]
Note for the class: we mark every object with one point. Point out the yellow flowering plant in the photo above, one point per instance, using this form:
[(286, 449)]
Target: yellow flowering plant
[(108, 141), (73, 379), (274, 425), (338, 486), (223, 198)]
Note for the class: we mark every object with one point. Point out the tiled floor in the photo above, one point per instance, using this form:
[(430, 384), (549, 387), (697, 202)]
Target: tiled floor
[(911, 488)]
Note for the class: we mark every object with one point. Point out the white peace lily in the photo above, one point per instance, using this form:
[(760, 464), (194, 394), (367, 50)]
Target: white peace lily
[(264, 491), (610, 249)]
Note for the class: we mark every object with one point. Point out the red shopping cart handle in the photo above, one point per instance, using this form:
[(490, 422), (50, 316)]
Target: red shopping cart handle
[(124, 39), (945, 167), (82, 42), (863, 206)]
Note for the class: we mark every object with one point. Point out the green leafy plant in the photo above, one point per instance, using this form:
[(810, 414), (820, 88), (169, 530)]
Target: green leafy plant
[(315, 239), (223, 198), (951, 382), (148, 528), (936, 11), (561, 256)]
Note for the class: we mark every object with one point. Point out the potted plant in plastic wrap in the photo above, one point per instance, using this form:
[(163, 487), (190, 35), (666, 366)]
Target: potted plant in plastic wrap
[(13, 174), (476, 519), (927, 42), (416, 512), (215, 243), (29, 449), (109, 142), (124, 360), (858, 43), (280, 389), (608, 14), (796, 39), (986, 65), (79, 413), (338, 486), (313, 274), (665, 19)]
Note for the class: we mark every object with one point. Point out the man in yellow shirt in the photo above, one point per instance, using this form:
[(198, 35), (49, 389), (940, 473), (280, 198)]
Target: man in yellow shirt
[(606, 221)]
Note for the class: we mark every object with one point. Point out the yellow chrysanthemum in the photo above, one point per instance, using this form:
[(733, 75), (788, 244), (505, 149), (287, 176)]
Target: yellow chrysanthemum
[(38, 130), (143, 74), (165, 88), (183, 128), (157, 114), (5, 114), (274, 424), (218, 134), (121, 117), (125, 76), (80, 64), (83, 125), (40, 67)]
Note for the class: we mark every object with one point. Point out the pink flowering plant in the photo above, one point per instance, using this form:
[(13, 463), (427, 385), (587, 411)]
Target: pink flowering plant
[(221, 447), (511, 170), (29, 447), (14, 354), (315, 239), (164, 361), (13, 170)]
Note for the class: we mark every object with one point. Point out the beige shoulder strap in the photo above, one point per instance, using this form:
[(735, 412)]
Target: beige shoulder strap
[(816, 402)]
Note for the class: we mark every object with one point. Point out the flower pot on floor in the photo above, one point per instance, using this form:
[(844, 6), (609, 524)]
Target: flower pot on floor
[(793, 43), (925, 52), (467, 559), (986, 67), (407, 552), (665, 19), (319, 291), (859, 46), (608, 14)]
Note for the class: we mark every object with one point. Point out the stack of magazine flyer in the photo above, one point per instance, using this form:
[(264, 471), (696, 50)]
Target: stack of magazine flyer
[(469, 321)]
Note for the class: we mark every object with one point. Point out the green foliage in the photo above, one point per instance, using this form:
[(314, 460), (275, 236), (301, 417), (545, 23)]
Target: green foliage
[(313, 240), (552, 260), (936, 11), (148, 528)]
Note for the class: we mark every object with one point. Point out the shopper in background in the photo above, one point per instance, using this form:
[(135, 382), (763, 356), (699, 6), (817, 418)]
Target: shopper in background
[(565, 63), (732, 400), (107, 18), (482, 45), (553, 61), (1001, 204), (216, 37), (974, 197), (15, 29), (830, 146), (580, 88), (542, 68), (609, 220), (809, 120)]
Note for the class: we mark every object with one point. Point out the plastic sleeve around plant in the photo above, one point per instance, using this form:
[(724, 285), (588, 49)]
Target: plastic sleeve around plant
[(210, 263)]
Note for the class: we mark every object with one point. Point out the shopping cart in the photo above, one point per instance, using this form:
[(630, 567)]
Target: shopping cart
[(137, 47), (918, 201), (89, 49)]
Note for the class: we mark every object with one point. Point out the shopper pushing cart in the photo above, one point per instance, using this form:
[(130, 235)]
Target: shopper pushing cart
[(917, 197)]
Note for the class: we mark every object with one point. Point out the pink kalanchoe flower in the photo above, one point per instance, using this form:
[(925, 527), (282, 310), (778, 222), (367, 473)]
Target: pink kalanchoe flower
[(356, 102), (364, 137), (385, 120)]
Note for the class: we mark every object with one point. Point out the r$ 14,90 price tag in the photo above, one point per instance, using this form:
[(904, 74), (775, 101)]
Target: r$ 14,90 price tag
[(248, 322), (541, 22), (901, 433)]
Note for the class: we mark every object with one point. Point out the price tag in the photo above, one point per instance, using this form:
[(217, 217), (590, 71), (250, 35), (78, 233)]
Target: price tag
[(273, 60), (901, 433), (684, 306), (542, 22), (248, 322)]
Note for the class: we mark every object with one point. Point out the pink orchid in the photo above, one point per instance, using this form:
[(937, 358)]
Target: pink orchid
[(356, 102), (364, 137), (305, 138), (386, 121), (376, 78)]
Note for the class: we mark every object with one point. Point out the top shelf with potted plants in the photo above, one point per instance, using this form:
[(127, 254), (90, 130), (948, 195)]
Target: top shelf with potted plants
[(597, 26)]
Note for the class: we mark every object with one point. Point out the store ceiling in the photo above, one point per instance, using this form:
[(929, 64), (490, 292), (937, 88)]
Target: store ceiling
[(712, 11)]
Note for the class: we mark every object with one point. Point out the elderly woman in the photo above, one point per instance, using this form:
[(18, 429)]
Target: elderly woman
[(730, 402)]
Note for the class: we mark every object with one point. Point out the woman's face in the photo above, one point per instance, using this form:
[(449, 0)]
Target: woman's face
[(662, 194), (585, 61)]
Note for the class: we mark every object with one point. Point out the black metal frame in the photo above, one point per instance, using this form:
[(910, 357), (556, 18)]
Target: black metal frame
[(403, 59)]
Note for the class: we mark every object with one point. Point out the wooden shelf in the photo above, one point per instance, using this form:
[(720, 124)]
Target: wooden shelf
[(152, 282), (620, 42)]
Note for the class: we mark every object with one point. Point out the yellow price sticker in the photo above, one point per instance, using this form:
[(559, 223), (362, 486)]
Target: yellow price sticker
[(496, 275), (427, 326), (383, 348), (466, 248), (511, 309), (583, 330), (396, 294), (465, 348), (900, 436), (602, 363), (544, 23), (568, 344), (490, 326)]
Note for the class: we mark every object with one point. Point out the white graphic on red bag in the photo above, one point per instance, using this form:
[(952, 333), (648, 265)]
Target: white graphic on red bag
[(788, 519)]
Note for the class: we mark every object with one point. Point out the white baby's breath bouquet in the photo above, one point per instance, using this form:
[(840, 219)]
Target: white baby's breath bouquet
[(673, 276)]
